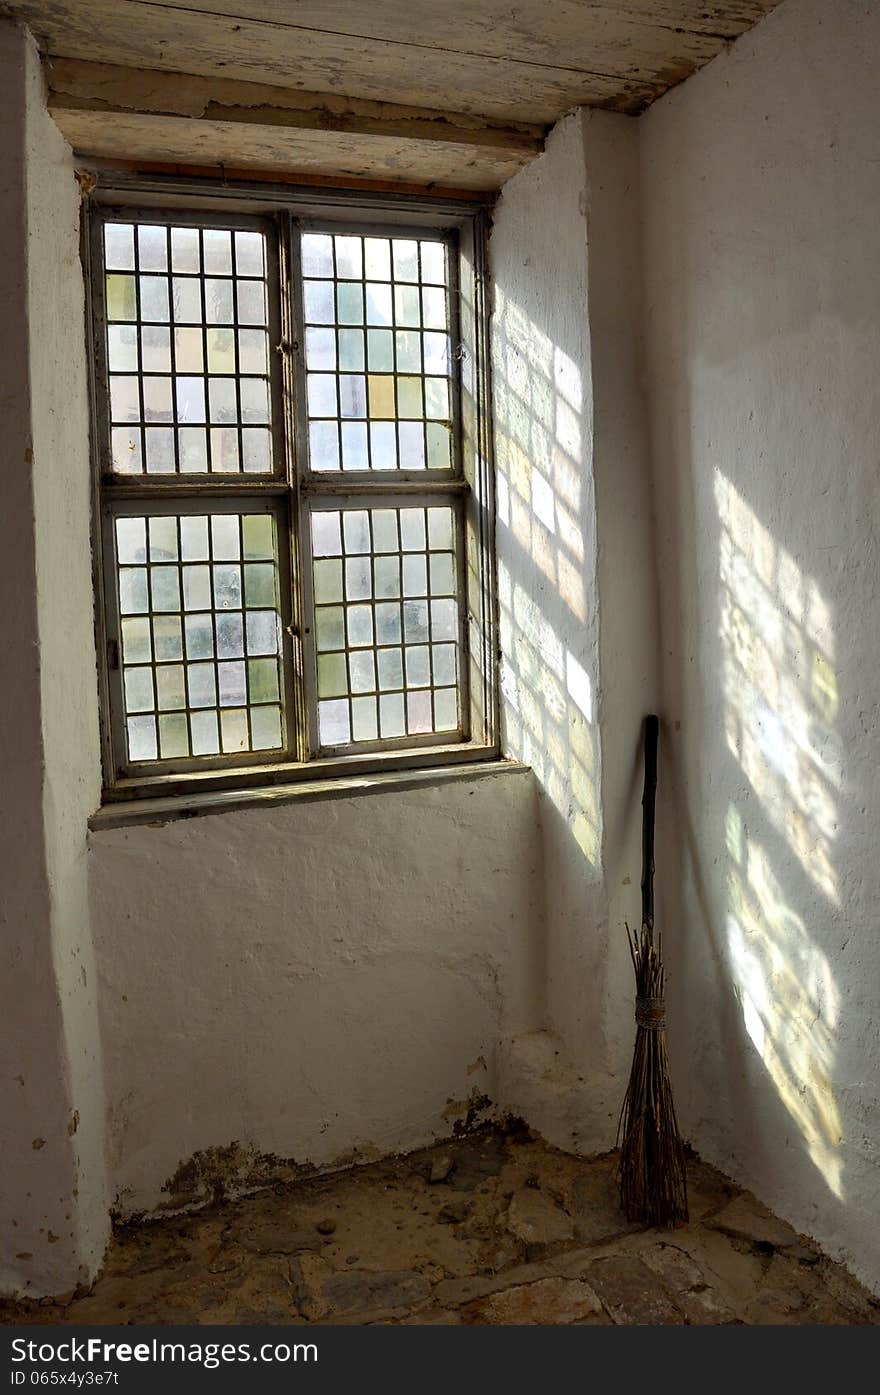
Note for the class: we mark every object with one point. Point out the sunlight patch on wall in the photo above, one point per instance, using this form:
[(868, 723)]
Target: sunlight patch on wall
[(780, 685), (780, 706), (789, 1000), (547, 692)]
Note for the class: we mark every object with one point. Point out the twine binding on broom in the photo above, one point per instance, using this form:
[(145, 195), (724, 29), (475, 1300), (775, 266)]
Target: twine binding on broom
[(651, 1014)]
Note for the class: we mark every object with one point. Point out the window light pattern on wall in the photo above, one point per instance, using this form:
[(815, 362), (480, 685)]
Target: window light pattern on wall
[(187, 347), (200, 630), (386, 620), (378, 352)]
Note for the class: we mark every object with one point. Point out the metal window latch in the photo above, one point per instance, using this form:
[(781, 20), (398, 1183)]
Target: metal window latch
[(287, 346), (113, 655), (296, 646)]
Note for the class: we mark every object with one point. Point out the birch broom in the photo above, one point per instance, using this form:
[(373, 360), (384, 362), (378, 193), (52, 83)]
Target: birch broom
[(653, 1183)]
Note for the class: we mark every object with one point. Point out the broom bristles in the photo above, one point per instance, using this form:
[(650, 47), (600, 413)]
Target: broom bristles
[(653, 1183)]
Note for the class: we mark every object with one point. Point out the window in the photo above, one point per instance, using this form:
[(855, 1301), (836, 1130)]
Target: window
[(293, 464)]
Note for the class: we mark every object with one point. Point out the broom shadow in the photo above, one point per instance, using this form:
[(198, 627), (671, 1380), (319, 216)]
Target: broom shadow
[(687, 857)]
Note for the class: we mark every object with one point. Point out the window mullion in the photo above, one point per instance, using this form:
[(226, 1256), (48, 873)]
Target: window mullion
[(295, 426), (282, 444)]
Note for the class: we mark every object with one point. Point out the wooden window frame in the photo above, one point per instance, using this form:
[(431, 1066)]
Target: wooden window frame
[(292, 491)]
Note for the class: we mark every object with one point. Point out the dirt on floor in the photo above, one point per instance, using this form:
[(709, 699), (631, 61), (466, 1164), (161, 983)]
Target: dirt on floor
[(494, 1228)]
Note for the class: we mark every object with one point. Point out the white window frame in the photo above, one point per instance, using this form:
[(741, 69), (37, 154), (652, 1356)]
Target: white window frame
[(282, 212)]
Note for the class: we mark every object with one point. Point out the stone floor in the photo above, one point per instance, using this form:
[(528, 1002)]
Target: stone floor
[(493, 1228)]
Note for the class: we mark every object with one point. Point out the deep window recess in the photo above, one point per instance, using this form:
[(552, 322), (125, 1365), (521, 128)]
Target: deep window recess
[(294, 494)]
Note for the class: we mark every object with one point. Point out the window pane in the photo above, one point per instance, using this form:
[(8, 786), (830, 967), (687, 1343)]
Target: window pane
[(193, 317), (183, 303), (386, 622), (378, 349), (201, 627)]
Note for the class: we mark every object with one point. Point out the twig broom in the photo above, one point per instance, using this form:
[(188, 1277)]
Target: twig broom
[(653, 1184)]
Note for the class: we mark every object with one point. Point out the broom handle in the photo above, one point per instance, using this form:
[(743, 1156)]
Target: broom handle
[(649, 799)]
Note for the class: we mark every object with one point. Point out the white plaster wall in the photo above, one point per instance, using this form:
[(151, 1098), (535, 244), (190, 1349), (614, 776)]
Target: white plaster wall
[(576, 591), (65, 610), (547, 532), (52, 1203), (317, 981), (313, 982), (629, 652), (762, 209)]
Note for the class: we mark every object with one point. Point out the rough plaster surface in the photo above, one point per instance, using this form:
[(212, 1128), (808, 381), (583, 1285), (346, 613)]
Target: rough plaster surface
[(579, 651), (762, 203), (318, 981), (629, 653), (62, 509), (53, 1217)]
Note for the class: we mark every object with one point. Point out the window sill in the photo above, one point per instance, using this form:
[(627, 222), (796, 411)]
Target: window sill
[(161, 810)]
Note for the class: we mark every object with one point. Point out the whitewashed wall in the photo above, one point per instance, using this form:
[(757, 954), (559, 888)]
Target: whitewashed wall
[(318, 982), (577, 592), (53, 1213), (762, 203)]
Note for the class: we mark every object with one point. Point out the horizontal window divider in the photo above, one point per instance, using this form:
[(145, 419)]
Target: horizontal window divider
[(153, 487), (384, 485)]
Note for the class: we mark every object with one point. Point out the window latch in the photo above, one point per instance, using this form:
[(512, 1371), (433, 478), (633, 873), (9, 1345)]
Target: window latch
[(113, 655), (296, 646)]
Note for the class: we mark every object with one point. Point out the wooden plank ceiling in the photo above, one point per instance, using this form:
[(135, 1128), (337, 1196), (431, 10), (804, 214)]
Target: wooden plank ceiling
[(458, 95)]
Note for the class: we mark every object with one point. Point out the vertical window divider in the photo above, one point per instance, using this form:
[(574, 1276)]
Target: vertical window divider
[(91, 258), (461, 504), (477, 447), (236, 357), (172, 352), (293, 350), (139, 340), (203, 329)]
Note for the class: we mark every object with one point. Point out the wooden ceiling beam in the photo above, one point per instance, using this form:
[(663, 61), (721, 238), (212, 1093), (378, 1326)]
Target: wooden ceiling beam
[(108, 111), (517, 86), (529, 61), (588, 34)]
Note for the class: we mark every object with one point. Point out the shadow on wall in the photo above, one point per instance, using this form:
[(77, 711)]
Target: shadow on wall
[(780, 691)]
